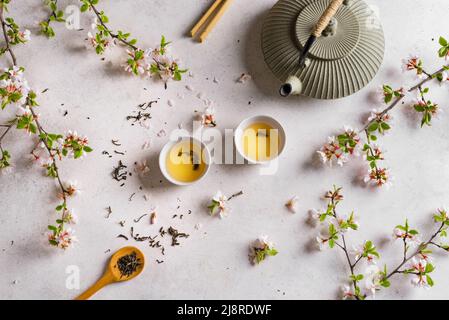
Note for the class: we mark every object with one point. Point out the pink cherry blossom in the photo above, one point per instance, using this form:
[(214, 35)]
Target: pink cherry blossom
[(331, 152)]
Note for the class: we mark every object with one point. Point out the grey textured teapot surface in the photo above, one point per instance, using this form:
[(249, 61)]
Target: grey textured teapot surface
[(342, 61)]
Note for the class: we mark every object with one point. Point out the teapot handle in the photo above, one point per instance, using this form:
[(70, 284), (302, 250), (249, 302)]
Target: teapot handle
[(326, 17)]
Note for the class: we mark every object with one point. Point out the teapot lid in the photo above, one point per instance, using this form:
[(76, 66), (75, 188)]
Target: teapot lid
[(341, 62)]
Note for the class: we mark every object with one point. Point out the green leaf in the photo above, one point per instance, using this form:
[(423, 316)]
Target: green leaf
[(442, 41), (442, 52), (373, 127), (87, 149), (429, 268), (385, 283), (430, 281), (385, 126), (84, 7), (419, 107)]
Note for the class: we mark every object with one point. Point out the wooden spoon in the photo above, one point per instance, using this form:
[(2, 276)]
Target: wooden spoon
[(112, 273)]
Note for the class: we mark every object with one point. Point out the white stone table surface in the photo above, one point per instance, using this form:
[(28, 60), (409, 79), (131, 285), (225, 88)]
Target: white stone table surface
[(212, 263)]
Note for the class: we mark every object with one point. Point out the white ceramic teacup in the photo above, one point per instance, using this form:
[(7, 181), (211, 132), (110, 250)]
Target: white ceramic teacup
[(206, 158), (238, 136)]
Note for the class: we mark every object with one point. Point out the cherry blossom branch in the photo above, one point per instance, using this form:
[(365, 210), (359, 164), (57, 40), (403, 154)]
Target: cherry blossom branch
[(340, 148), (333, 196), (420, 249), (42, 132), (4, 155), (402, 96), (15, 90), (55, 15), (35, 117), (417, 264), (219, 204), (101, 18), (351, 265), (139, 62)]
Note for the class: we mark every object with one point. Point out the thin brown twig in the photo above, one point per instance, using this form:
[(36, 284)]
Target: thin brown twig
[(111, 33), (49, 150), (429, 77), (421, 247), (52, 14), (6, 132), (8, 45), (345, 250), (235, 195)]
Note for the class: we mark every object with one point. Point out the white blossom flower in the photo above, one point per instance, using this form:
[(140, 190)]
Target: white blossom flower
[(165, 64), (410, 63), (262, 242), (23, 111), (91, 39), (71, 138), (208, 117), (331, 152), (314, 214), (15, 73), (347, 292), (411, 239), (71, 188), (373, 278), (380, 117), (40, 156), (24, 35), (244, 77), (419, 267), (260, 249), (420, 281), (358, 250), (142, 168), (292, 204), (15, 85), (413, 62), (341, 221), (218, 205), (69, 216), (378, 177), (63, 239), (424, 256), (139, 64), (93, 42), (444, 77), (322, 241)]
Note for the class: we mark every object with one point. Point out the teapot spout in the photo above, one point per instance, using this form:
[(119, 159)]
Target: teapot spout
[(292, 86)]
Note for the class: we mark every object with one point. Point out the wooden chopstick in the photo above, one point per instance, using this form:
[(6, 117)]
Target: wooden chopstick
[(204, 17), (213, 21)]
